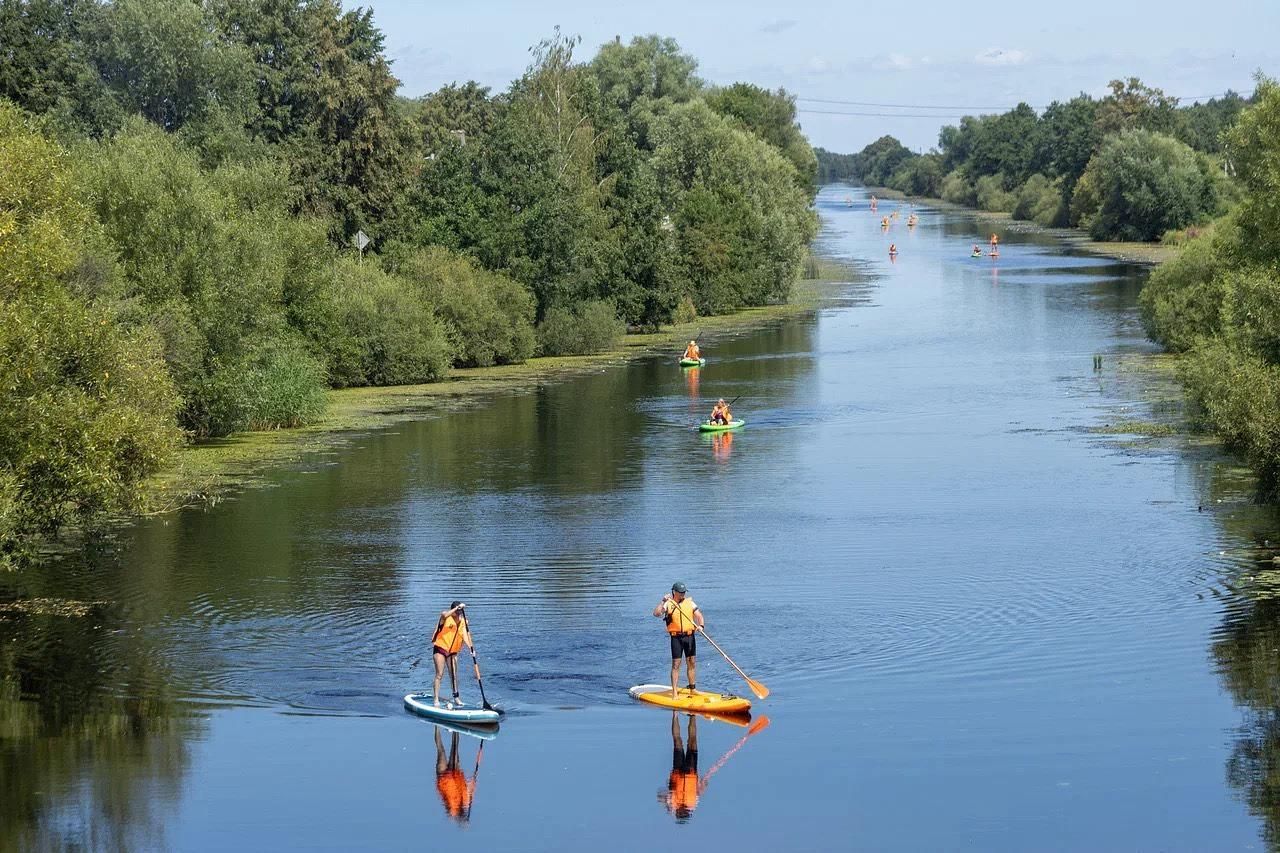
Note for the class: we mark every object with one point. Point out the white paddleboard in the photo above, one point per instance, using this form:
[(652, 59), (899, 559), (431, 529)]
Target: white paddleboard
[(421, 704)]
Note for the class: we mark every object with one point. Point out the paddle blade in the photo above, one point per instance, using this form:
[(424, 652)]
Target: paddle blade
[(757, 688)]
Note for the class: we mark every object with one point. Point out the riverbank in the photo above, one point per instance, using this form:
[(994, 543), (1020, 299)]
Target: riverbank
[(207, 472), (1147, 254)]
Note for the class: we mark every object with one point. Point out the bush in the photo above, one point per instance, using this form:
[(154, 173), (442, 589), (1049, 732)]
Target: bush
[(489, 315), (277, 385), (384, 331), (1182, 300), (991, 194), (1141, 184), (588, 328), (1040, 201), (687, 312), (957, 189), (1237, 395), (86, 407)]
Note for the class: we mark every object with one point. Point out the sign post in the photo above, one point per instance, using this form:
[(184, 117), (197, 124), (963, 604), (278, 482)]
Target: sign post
[(361, 240)]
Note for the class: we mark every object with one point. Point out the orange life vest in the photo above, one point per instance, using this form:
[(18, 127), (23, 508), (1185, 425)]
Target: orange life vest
[(692, 352), (455, 792), (684, 791), (680, 616), (450, 634)]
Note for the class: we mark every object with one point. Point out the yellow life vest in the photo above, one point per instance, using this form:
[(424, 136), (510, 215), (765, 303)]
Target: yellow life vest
[(680, 617)]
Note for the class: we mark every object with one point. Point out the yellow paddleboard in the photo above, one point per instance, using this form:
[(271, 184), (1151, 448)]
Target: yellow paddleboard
[(690, 700)]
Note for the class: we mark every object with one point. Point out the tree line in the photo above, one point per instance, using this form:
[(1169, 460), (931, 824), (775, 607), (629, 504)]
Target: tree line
[(180, 183), (1218, 301), (1129, 166)]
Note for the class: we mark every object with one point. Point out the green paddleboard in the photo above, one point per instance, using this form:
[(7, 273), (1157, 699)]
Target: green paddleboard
[(708, 426), (692, 362)]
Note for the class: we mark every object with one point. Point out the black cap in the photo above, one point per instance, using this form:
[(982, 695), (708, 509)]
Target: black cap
[(679, 587)]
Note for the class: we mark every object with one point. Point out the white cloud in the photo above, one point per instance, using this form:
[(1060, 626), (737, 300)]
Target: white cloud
[(900, 62), (778, 26), (1001, 56), (819, 64)]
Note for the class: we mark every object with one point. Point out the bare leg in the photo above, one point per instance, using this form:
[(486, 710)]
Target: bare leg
[(675, 676), (438, 660), (692, 665)]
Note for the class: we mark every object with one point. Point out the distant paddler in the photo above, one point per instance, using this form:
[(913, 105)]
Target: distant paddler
[(893, 250), (873, 202), (995, 240), (912, 220), (977, 251), (884, 223), (720, 413), (692, 351), (683, 620)]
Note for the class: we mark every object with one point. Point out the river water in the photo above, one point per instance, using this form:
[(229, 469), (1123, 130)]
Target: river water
[(985, 625)]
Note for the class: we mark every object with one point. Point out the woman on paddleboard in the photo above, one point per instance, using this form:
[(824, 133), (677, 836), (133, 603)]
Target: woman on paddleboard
[(720, 413), (451, 635), (683, 619)]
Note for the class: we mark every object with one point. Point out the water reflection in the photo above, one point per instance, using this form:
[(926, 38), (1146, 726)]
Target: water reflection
[(457, 792), (721, 446), (684, 785), (85, 762)]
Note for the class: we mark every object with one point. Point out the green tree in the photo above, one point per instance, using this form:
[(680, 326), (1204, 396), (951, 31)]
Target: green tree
[(1141, 184), (326, 98), (86, 409), (165, 60), (1133, 105), (772, 117)]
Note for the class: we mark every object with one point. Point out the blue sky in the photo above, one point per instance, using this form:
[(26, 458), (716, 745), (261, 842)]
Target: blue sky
[(959, 56)]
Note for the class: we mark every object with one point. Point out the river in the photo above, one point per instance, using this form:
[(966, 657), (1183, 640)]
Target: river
[(985, 624)]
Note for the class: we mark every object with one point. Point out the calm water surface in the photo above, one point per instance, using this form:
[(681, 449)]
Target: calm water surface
[(985, 625)]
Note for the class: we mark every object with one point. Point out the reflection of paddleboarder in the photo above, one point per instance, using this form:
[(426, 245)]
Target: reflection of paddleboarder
[(456, 791), (683, 786), (721, 446)]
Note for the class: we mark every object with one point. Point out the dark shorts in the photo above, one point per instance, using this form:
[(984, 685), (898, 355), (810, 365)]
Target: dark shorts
[(436, 650), (683, 761), (684, 644)]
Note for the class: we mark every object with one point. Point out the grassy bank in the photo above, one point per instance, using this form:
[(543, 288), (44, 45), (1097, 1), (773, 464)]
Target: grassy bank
[(206, 472), (1148, 254)]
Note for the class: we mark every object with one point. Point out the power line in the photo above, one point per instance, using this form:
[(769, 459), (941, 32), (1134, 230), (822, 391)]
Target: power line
[(881, 105)]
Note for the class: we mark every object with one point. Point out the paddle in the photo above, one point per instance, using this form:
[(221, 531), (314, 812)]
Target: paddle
[(756, 687), (756, 727), (475, 662)]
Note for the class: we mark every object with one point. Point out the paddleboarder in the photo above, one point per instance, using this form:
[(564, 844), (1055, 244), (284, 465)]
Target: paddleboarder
[(450, 636), (692, 351), (720, 413), (683, 620)]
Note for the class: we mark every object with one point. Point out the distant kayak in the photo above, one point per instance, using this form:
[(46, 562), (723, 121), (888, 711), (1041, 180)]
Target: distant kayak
[(421, 704), (708, 426), (699, 701), (692, 362)]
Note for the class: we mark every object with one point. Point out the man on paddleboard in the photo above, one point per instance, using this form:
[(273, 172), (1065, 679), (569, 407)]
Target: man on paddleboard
[(683, 619), (450, 636)]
